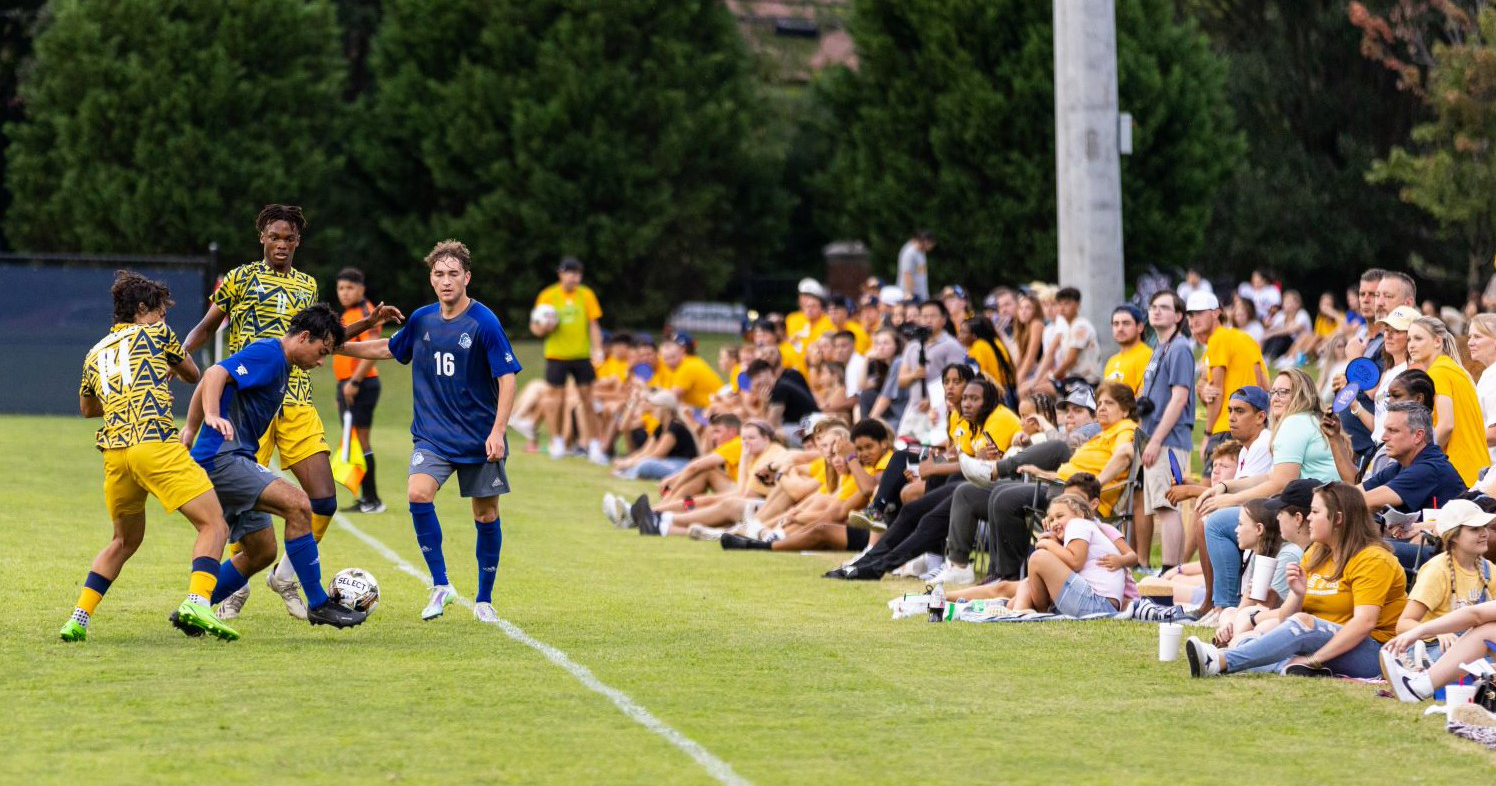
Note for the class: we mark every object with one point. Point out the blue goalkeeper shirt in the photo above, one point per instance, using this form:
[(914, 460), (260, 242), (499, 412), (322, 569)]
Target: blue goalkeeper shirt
[(455, 363)]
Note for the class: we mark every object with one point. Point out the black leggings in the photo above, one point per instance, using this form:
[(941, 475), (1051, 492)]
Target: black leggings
[(919, 527), (892, 482)]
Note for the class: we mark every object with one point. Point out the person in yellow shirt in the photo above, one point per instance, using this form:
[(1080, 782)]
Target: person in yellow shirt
[(613, 372), (714, 471), (1344, 600), (1232, 359), (1133, 354), (691, 378), (1459, 427), (839, 309), (982, 344), (811, 321), (573, 343)]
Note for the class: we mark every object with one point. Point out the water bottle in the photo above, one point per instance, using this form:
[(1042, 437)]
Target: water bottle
[(937, 602)]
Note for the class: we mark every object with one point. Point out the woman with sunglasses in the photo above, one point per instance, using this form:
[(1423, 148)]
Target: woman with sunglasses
[(1343, 601)]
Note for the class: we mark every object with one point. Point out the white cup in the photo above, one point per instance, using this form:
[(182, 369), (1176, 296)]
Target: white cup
[(1430, 516), (1455, 695), (1263, 568), (1169, 634)]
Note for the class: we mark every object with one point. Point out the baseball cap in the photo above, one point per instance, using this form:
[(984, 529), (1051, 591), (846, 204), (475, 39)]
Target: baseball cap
[(1461, 513), (1201, 301), (1400, 318), (1080, 396), (570, 263), (1133, 311), (1252, 394), (810, 286), (891, 295), (1298, 493), (989, 302), (954, 290), (841, 300)]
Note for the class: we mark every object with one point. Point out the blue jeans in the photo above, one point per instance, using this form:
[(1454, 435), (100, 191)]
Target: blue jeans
[(1225, 557), (655, 468), (1271, 651)]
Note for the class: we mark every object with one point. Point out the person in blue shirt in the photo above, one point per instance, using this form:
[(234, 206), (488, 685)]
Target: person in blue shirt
[(236, 400), (464, 381)]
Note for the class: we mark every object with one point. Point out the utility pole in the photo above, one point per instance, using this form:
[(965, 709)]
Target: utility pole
[(1088, 174)]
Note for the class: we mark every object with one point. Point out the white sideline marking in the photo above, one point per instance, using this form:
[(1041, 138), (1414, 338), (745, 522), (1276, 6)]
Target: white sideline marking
[(717, 768)]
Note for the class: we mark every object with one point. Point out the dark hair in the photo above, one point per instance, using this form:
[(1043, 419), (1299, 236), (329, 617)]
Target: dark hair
[(1045, 406), (758, 366), (351, 274), (990, 399), (1419, 384), (1088, 483), (570, 263), (621, 337), (1272, 536), (1068, 293), (945, 313), (726, 419), (132, 290), (925, 234), (450, 249), (983, 329), (320, 321), (844, 334), (1121, 393), (1251, 306), (290, 214), (967, 373), (872, 428)]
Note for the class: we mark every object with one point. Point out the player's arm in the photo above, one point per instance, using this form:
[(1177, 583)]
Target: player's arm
[(378, 349), (199, 334), (380, 315), (206, 400), (186, 370), (495, 441), (90, 406), (194, 417), (595, 332)]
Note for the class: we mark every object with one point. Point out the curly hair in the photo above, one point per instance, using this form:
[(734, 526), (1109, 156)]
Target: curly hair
[(450, 249), (132, 290), (290, 214)]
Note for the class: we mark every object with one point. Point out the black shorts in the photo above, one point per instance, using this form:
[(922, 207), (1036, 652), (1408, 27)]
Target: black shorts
[(856, 539), (556, 372), (363, 401)]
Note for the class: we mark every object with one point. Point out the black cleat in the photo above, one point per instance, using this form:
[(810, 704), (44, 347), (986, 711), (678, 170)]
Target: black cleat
[(644, 517), (835, 573), (330, 613), (856, 573), (190, 630)]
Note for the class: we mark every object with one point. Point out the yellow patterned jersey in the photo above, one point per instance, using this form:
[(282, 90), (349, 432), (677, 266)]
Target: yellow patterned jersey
[(260, 303), (126, 371)]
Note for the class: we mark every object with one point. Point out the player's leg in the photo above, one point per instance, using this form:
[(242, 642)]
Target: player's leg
[(169, 472), (303, 450), (427, 472), (555, 400), (483, 483), (124, 497), (292, 505)]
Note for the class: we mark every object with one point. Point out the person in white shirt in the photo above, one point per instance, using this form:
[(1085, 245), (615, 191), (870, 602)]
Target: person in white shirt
[(1263, 294), (914, 274), (1193, 282), (844, 350), (1079, 355), (1076, 568)]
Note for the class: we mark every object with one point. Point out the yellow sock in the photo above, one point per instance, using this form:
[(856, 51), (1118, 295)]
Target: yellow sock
[(88, 599), (320, 524), (235, 548)]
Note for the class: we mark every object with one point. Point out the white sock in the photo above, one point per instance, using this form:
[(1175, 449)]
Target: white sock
[(285, 571), (193, 597), (558, 444), (665, 519), (754, 529), (594, 446)]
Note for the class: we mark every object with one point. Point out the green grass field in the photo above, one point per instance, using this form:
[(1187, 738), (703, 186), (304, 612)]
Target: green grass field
[(786, 677)]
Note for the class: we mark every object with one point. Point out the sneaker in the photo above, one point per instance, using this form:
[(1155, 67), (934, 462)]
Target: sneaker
[(233, 604), (1405, 682), (73, 630), (330, 613), (955, 576), (621, 512), (598, 457), (612, 512), (372, 506), (483, 612), (867, 519), (558, 448), (1472, 714), (199, 617), (703, 532), (441, 598), (1305, 670), (836, 573), (730, 541), (1210, 619), (912, 568), (1205, 659), (525, 427), (290, 592), (356, 507), (1144, 610), (644, 517)]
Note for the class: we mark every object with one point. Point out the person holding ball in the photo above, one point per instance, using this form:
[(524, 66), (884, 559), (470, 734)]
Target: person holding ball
[(573, 345)]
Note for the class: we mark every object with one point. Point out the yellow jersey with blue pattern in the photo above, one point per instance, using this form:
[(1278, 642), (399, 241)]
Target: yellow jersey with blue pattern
[(260, 303), (127, 372)]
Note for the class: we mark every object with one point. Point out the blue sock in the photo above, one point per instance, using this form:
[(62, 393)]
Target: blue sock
[(429, 535), (230, 580), (490, 543), (302, 551)]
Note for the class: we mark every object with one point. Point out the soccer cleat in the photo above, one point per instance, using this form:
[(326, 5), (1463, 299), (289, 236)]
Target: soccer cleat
[(483, 612), (371, 506), (290, 592), (703, 532), (199, 617), (1205, 659), (441, 598), (330, 613), (73, 630), (645, 518), (1406, 683), (233, 604)]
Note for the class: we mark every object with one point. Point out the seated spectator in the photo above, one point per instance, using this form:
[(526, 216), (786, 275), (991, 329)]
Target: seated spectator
[(780, 392), (669, 448), (716, 470), (1066, 572), (1259, 531), (1458, 577), (684, 373), (884, 398), (991, 355), (1078, 355), (1287, 329), (1343, 601)]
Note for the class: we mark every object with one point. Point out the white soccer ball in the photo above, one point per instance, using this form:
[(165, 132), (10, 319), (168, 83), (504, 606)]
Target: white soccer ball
[(355, 589), (544, 315)]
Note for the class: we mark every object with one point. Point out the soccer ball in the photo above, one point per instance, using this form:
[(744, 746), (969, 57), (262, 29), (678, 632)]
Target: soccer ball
[(545, 316), (355, 589)]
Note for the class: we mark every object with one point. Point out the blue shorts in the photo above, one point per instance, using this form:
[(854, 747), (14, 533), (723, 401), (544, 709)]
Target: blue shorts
[(1077, 599)]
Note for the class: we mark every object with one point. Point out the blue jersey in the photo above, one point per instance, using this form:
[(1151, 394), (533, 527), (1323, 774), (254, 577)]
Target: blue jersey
[(258, 375), (455, 365)]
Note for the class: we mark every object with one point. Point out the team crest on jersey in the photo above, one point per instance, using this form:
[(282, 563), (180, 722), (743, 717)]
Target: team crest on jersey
[(508, 358), (418, 459), (426, 337), (465, 341), (241, 370)]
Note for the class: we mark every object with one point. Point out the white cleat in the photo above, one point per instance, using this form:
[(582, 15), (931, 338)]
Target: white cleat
[(703, 532), (233, 604), (441, 598), (483, 612), (616, 509), (290, 592)]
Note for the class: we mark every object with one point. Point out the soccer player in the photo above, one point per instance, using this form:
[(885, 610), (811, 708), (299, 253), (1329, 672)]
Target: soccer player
[(358, 384), (125, 382), (235, 403), (259, 299), (464, 381), (572, 346)]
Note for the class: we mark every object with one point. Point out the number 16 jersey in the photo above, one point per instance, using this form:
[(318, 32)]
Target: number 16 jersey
[(454, 363)]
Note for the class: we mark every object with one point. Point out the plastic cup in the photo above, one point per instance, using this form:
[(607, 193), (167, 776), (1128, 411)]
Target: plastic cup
[(1455, 695), (1169, 634), (1430, 515), (1263, 568)]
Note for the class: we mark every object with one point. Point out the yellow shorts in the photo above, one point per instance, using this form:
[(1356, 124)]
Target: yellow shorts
[(296, 432), (164, 470)]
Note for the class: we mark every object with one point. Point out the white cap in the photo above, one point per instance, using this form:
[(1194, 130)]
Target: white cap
[(890, 295), (1202, 301), (810, 286), (1461, 513)]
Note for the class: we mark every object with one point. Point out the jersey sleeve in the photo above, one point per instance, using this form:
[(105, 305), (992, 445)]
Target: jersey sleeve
[(253, 366), (229, 291), (171, 346), (88, 386), (402, 344), (594, 309), (501, 358)]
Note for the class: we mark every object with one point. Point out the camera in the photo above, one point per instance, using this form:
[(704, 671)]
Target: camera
[(912, 331), (1145, 407)]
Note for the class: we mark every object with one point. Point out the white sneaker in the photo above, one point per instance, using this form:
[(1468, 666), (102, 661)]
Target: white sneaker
[(1407, 685), (1205, 659), (611, 510), (525, 426), (933, 565), (703, 532), (483, 612), (914, 567), (233, 604), (558, 448), (596, 455), (955, 576), (441, 598), (290, 592)]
